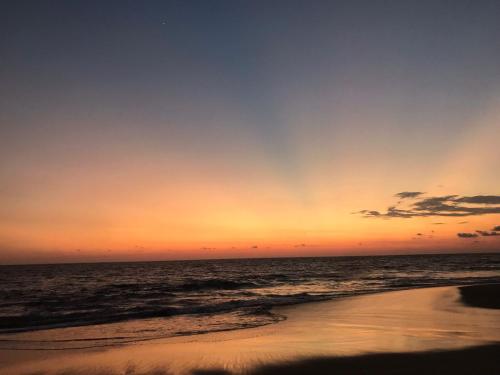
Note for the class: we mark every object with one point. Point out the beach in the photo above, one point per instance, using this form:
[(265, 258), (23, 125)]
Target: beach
[(249, 187), (425, 329)]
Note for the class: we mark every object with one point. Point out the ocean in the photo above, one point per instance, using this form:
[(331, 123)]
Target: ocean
[(88, 305)]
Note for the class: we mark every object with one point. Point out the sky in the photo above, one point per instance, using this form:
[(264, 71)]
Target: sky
[(143, 130)]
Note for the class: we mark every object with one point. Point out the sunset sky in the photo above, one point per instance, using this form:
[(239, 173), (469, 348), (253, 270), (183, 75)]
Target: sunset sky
[(143, 130)]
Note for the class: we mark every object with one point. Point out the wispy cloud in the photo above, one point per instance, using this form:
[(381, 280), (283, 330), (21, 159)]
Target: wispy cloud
[(408, 194), (483, 233), (486, 233), (447, 205), (467, 235), (480, 199)]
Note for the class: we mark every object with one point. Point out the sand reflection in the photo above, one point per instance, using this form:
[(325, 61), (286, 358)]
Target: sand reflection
[(401, 321)]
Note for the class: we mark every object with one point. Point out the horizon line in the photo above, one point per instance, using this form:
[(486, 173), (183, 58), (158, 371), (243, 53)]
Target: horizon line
[(253, 258)]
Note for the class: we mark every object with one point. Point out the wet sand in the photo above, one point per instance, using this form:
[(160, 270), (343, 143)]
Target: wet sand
[(433, 330)]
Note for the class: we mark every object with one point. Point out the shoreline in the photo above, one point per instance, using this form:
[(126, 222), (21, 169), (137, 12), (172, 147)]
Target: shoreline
[(403, 321), (472, 300)]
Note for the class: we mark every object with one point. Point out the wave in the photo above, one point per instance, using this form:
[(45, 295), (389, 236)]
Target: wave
[(214, 284), (87, 294)]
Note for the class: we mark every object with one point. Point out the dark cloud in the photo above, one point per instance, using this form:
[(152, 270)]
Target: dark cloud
[(497, 228), (408, 194), (437, 223), (467, 235), (480, 199), (396, 212), (368, 213), (435, 204), (446, 206), (485, 233), (419, 234), (463, 222)]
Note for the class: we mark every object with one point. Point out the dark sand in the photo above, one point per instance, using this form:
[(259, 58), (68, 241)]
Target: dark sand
[(483, 360), (445, 330), (485, 296)]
